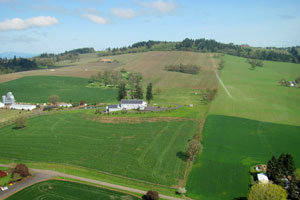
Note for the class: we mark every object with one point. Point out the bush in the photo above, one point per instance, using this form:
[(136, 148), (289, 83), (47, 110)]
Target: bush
[(21, 122), (21, 169), (181, 190), (151, 195), (267, 192), (297, 80), (16, 177)]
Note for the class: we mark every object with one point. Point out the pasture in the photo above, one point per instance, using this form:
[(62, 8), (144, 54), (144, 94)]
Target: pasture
[(55, 189), (146, 151), (231, 146), (257, 93), (37, 89)]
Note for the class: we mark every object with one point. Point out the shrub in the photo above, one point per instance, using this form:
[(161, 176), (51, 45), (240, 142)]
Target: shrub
[(267, 192), (21, 122), (21, 169), (54, 99), (181, 190), (151, 195)]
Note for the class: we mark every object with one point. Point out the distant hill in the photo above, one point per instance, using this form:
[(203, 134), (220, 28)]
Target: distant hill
[(17, 54)]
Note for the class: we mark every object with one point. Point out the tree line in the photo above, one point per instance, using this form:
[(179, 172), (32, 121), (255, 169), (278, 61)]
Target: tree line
[(16, 65), (290, 54), (189, 69)]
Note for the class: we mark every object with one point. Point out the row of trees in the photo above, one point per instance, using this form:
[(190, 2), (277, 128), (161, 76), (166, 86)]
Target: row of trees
[(189, 69), (136, 93), (204, 45), (16, 65)]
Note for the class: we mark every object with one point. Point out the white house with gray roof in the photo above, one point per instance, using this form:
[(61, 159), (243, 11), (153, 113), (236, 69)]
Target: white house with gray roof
[(127, 104)]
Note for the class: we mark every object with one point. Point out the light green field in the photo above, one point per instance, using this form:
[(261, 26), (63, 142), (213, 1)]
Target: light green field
[(37, 89), (145, 151), (55, 189), (257, 94), (6, 114), (231, 146)]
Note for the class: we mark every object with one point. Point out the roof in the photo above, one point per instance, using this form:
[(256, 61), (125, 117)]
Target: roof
[(131, 101), (262, 177), (22, 106), (113, 106)]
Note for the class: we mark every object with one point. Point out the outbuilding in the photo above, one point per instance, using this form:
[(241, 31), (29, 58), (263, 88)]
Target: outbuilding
[(2, 105), (262, 178), (22, 106), (113, 107)]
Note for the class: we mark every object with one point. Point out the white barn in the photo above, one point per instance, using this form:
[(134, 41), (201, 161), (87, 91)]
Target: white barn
[(65, 105), (262, 178), (22, 107), (128, 104), (1, 105)]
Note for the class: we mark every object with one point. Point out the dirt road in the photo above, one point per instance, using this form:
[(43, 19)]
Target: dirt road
[(41, 175)]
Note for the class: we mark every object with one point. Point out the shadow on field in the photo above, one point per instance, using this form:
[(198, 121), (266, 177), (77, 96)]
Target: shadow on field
[(182, 155), (240, 198)]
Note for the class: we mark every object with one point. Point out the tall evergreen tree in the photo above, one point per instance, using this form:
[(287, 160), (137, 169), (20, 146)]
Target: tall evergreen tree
[(149, 95), (122, 91), (271, 168), (138, 91), (289, 164)]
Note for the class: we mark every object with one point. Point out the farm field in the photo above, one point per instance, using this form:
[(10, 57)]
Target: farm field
[(176, 87), (145, 151), (6, 114), (37, 89), (257, 94), (55, 189), (231, 146)]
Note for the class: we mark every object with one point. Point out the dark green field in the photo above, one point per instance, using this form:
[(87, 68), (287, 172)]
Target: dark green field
[(54, 189), (231, 146), (37, 89), (145, 151)]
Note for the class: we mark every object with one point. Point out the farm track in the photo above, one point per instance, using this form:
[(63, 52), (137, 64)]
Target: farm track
[(42, 175)]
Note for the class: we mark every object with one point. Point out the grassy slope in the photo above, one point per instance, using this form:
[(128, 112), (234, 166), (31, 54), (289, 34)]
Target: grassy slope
[(54, 189), (257, 94), (231, 146), (145, 151), (37, 89)]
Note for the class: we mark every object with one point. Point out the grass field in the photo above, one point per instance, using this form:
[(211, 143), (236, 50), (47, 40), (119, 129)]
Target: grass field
[(257, 94), (6, 114), (231, 146), (37, 89), (145, 151), (55, 189)]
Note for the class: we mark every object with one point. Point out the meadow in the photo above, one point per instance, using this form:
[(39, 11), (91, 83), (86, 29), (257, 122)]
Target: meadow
[(231, 146), (37, 89), (56, 189), (256, 93), (146, 151)]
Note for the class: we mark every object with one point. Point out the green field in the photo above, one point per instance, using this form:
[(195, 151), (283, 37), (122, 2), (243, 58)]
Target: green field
[(55, 189), (257, 94), (145, 151), (37, 89), (231, 146)]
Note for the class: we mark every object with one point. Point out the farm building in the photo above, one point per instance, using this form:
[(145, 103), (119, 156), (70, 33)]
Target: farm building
[(22, 107), (133, 104), (127, 105), (8, 99), (106, 60), (65, 105), (1, 105), (113, 107), (262, 178)]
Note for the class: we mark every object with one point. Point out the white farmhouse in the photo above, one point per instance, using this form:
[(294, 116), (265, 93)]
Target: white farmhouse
[(8, 99), (262, 178), (1, 105), (113, 107), (133, 104), (22, 107)]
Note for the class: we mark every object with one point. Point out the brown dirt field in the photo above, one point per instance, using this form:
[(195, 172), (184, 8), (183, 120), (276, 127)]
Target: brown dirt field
[(149, 64), (135, 120)]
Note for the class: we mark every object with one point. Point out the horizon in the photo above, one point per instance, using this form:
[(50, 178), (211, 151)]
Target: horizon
[(36, 26)]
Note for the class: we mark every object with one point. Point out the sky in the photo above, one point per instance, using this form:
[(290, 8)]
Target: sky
[(54, 26)]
